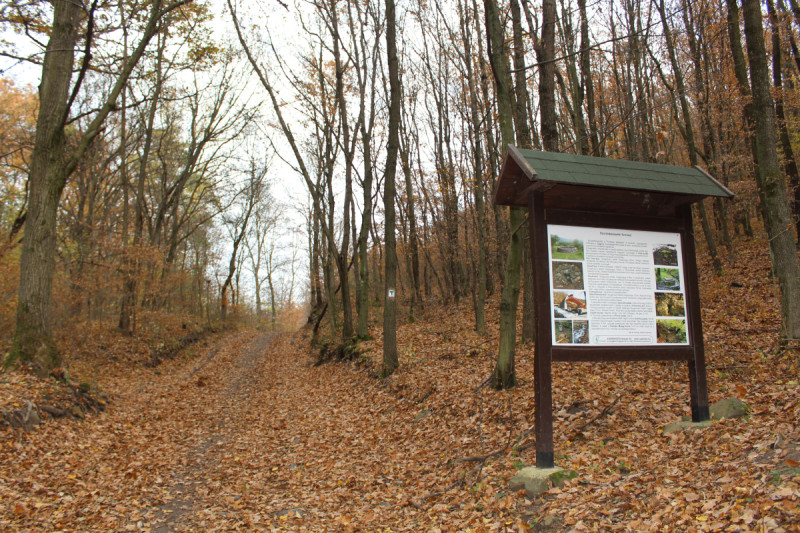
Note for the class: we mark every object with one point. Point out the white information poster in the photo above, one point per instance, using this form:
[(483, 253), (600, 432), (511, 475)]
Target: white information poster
[(613, 287)]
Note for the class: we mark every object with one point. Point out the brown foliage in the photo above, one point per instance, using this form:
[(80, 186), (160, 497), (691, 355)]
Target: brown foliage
[(244, 433)]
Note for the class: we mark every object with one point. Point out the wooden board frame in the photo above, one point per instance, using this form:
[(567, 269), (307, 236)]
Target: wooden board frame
[(539, 216)]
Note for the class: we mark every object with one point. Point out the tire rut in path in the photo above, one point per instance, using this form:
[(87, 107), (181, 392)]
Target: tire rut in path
[(241, 381)]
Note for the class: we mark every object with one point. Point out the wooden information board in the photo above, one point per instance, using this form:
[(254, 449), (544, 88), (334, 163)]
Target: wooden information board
[(615, 273)]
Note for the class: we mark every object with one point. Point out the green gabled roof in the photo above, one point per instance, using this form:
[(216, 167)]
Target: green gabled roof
[(571, 169)]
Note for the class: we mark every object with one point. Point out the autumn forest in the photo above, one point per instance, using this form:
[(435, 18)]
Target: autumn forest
[(253, 275)]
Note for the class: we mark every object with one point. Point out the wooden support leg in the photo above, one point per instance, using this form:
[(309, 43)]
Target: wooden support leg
[(543, 355), (697, 365), (543, 384), (698, 389)]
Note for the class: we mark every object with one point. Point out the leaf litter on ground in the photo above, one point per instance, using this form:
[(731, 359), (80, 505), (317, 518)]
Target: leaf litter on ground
[(244, 433)]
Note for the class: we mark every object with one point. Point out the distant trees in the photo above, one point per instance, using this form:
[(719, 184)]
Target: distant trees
[(645, 81), (17, 128), (143, 165), (249, 199), (116, 183), (52, 162)]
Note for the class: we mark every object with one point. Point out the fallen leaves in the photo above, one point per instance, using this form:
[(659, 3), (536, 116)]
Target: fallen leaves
[(247, 435)]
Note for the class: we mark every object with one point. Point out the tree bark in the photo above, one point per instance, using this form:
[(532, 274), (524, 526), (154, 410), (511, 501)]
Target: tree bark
[(740, 70), (524, 140), (366, 124), (348, 149), (789, 163), (33, 338), (588, 82), (547, 91), (390, 358), (688, 131), (771, 180), (51, 166), (126, 315), (478, 186), (504, 375)]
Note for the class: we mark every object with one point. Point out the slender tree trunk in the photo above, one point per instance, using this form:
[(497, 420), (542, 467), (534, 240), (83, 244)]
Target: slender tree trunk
[(272, 303), (789, 163), (344, 251), (523, 141), (363, 234), (500, 225), (688, 132), (504, 375), (740, 70), (363, 260), (770, 178), (127, 305), (588, 82), (413, 241), (576, 91), (547, 92), (478, 192), (390, 359)]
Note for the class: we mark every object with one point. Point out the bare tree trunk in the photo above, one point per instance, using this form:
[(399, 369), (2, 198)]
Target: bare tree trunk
[(740, 70), (500, 225), (688, 132), (390, 359), (789, 163), (478, 192), (126, 323), (523, 141), (504, 375), (51, 166), (33, 338), (576, 88), (365, 58), (547, 92), (588, 82), (342, 258), (413, 243), (240, 230), (770, 178)]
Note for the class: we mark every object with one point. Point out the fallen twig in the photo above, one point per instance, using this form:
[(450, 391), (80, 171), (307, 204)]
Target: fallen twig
[(482, 385), (603, 413), (481, 458)]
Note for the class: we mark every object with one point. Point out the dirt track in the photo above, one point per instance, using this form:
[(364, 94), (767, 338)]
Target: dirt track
[(248, 435)]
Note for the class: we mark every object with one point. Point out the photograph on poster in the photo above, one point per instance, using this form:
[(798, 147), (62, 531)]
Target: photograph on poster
[(580, 332), (565, 248), (665, 255), (567, 275), (563, 331), (671, 330), (569, 304), (668, 279), (670, 304)]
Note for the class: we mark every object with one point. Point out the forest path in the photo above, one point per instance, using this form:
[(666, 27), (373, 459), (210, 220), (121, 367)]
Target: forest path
[(244, 433), (213, 413), (271, 440), (241, 434), (258, 436)]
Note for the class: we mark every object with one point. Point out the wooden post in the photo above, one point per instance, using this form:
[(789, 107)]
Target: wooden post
[(698, 389), (543, 350)]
